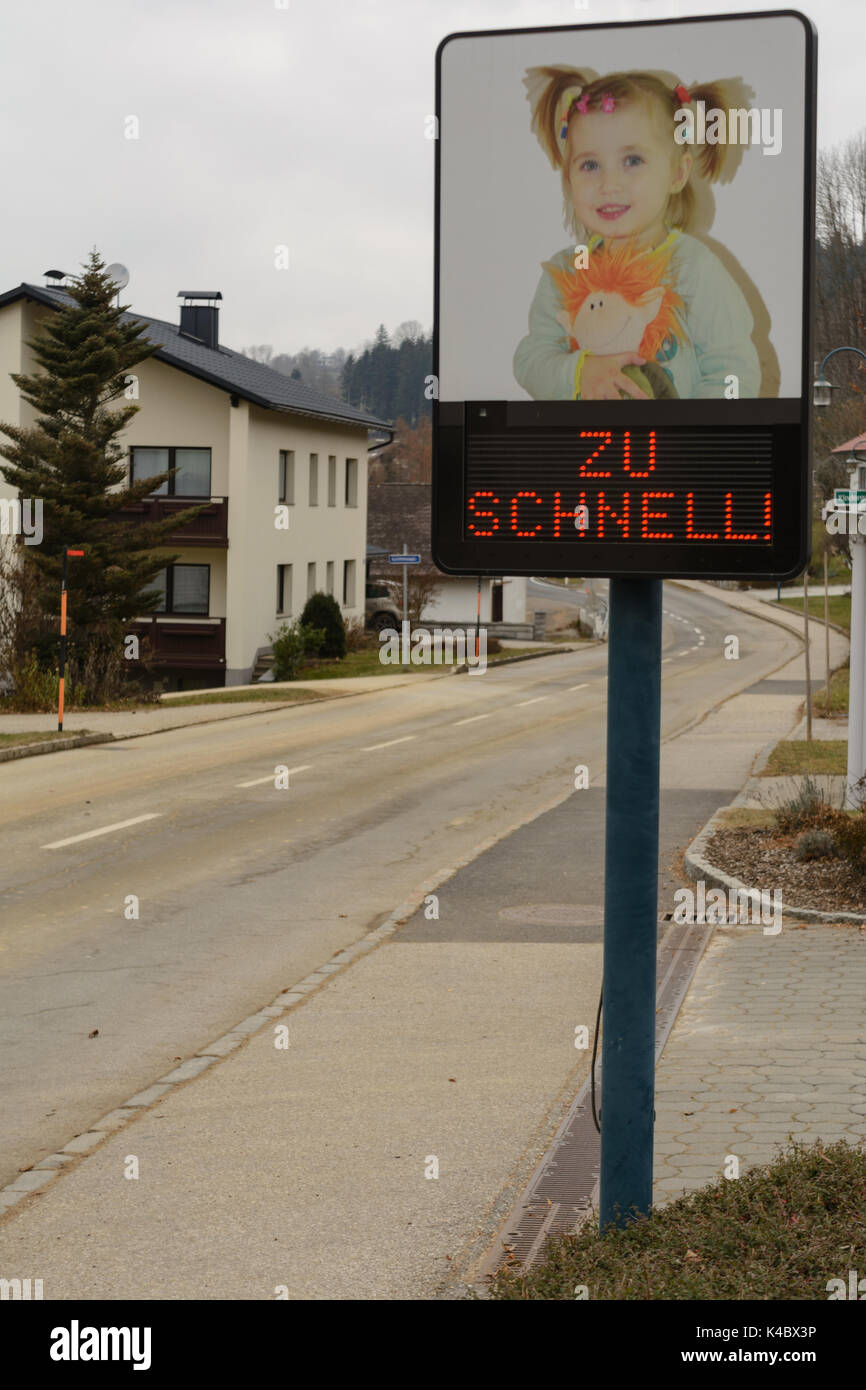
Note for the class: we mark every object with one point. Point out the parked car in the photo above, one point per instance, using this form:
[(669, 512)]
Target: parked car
[(380, 610)]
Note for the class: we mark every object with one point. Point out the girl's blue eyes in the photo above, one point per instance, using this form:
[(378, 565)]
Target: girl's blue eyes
[(589, 166)]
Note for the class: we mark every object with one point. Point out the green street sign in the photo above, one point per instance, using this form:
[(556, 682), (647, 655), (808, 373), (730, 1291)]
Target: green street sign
[(848, 497)]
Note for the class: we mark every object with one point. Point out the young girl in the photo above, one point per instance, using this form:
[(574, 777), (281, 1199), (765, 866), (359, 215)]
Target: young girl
[(628, 188)]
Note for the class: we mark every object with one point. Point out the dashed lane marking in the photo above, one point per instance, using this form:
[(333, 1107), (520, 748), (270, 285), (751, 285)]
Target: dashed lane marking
[(373, 747), (257, 781), (104, 830)]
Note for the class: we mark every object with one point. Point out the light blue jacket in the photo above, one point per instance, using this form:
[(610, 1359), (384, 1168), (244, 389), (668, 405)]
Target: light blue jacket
[(718, 322)]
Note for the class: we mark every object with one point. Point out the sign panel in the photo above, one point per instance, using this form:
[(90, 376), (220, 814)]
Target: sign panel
[(404, 559), (848, 498), (636, 401)]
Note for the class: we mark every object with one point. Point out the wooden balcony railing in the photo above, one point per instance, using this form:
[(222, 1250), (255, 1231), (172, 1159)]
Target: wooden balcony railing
[(182, 643), (210, 527)]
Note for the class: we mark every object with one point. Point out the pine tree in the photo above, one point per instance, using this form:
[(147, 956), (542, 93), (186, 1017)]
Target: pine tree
[(72, 463)]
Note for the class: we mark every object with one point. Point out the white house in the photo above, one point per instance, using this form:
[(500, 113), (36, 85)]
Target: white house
[(249, 441)]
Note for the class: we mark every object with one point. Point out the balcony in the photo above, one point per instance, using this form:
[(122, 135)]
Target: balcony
[(178, 643), (210, 527)]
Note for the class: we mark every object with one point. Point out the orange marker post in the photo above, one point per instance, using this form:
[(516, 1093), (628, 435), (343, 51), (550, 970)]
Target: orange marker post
[(60, 693)]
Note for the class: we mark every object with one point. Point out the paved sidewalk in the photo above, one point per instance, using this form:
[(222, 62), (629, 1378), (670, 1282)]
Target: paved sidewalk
[(771, 1039), (770, 1042)]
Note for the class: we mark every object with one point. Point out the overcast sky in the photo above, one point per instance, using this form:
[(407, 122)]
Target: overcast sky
[(262, 126)]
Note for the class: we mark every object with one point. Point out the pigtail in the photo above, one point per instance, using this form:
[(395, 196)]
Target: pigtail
[(545, 88), (719, 163)]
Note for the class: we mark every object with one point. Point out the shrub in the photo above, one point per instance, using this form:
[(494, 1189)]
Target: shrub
[(358, 637), (814, 844), (322, 611), (849, 832), (33, 689), (808, 810), (291, 643)]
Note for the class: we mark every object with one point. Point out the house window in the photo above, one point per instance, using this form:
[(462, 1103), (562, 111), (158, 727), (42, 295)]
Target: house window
[(182, 589), (192, 475), (311, 578), (287, 477), (351, 482), (332, 480), (314, 480), (284, 589), (329, 577), (348, 583)]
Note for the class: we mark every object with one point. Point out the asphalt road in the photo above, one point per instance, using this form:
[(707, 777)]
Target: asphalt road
[(242, 888)]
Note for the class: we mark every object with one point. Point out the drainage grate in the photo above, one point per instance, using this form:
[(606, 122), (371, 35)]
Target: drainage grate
[(562, 1190)]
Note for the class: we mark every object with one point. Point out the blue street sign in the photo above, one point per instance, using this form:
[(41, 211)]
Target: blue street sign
[(404, 559)]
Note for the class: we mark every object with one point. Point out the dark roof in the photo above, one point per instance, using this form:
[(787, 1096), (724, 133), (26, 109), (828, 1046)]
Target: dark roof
[(222, 367)]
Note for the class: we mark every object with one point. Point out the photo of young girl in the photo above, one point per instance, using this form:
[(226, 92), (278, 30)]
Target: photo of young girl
[(637, 306)]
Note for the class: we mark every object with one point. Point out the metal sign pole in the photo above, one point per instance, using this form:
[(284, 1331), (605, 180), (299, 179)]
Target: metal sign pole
[(630, 899), (405, 642)]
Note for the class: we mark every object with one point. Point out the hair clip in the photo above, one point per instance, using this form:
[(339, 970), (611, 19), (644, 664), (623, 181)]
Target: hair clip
[(608, 103), (682, 93), (581, 105), (569, 98)]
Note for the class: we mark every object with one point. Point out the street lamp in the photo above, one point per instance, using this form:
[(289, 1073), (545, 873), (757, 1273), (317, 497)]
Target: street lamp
[(822, 389)]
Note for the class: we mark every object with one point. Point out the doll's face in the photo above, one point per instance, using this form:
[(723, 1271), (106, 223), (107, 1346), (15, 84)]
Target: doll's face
[(622, 170)]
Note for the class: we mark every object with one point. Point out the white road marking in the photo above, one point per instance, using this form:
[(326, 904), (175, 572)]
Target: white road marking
[(373, 747), (579, 687), (665, 660), (472, 720), (535, 701), (258, 781), (106, 830)]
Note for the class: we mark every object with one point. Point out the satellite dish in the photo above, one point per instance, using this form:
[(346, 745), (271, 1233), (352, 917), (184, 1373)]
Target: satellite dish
[(119, 274)]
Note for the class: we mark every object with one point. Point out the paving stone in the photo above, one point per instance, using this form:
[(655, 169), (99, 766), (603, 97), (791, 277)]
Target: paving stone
[(147, 1097), (251, 1024), (83, 1143), (55, 1161), (9, 1199), (32, 1180), (115, 1119), (227, 1043), (192, 1067)]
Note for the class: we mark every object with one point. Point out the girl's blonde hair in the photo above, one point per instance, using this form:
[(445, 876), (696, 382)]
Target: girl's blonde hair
[(546, 87)]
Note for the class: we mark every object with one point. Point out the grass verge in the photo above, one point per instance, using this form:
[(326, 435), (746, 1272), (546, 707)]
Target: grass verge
[(793, 756), (839, 681), (8, 740), (781, 1231), (839, 608), (367, 663), (281, 694)]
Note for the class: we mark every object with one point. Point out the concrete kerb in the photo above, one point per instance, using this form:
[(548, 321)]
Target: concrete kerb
[(533, 656), (52, 745), (698, 867)]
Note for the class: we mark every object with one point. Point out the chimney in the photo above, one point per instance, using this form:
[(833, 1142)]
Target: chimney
[(199, 316)]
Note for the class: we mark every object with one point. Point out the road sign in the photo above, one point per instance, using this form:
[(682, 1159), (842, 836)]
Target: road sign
[(404, 559), (638, 401), (848, 497)]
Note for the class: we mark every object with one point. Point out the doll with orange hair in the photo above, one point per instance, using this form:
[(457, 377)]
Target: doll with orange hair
[(675, 321)]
